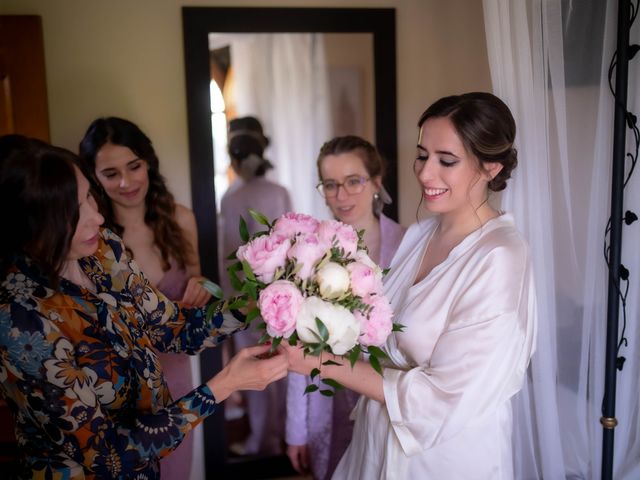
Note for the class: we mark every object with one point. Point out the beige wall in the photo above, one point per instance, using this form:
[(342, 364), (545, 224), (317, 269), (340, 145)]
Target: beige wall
[(124, 57), (358, 55)]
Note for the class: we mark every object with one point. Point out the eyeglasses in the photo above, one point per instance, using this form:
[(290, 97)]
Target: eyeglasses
[(352, 185)]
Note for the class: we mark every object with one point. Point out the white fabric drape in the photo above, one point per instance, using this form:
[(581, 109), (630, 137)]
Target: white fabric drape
[(282, 79), (549, 61)]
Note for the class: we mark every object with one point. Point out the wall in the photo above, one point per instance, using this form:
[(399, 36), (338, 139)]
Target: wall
[(359, 58), (124, 57)]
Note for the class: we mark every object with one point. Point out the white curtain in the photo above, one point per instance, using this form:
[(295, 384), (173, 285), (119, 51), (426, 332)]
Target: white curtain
[(549, 61), (282, 79)]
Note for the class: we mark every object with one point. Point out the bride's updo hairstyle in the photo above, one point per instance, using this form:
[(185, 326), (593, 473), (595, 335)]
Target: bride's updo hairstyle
[(486, 128)]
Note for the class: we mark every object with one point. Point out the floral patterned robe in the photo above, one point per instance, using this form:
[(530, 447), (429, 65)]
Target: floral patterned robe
[(79, 372)]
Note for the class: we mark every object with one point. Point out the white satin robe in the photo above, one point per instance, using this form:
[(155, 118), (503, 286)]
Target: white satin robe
[(470, 332)]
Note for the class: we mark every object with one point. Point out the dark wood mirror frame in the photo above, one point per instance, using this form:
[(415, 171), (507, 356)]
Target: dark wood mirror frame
[(198, 22)]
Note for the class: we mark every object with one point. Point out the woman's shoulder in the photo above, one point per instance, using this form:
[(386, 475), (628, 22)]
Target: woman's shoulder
[(391, 226), (501, 234), (501, 252), (185, 217)]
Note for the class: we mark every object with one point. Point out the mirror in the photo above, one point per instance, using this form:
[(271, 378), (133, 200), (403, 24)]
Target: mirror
[(198, 23)]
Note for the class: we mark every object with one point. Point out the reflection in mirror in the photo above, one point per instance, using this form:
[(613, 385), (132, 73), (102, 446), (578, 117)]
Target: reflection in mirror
[(305, 89), (336, 95)]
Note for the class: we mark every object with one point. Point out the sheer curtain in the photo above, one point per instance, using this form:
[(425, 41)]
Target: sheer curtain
[(549, 61), (282, 79)]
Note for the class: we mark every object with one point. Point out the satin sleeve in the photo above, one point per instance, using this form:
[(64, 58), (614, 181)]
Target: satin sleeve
[(474, 370), (479, 358)]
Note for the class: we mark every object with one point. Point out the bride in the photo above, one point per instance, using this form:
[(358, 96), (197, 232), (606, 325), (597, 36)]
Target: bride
[(461, 284)]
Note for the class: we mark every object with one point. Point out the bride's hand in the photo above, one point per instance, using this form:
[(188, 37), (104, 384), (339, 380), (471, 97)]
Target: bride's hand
[(298, 361)]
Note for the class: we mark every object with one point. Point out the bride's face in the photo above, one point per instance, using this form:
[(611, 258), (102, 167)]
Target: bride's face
[(449, 175)]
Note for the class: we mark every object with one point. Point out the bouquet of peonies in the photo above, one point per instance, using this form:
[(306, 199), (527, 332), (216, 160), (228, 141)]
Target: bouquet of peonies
[(312, 282)]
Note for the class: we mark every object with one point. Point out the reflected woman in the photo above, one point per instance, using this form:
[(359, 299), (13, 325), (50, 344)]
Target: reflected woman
[(351, 172), (252, 190)]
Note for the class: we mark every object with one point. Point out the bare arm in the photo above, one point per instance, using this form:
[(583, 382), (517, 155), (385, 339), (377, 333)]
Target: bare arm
[(187, 222), (194, 293)]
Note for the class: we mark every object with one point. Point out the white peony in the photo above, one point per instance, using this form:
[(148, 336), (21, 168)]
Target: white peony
[(333, 280), (343, 328)]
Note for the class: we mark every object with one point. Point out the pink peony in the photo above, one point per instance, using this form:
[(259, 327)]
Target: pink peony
[(364, 279), (307, 250), (265, 254), (291, 224), (279, 305), (377, 325), (339, 234)]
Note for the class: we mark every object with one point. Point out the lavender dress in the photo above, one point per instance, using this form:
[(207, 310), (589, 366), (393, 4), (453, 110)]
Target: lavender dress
[(176, 368), (322, 422)]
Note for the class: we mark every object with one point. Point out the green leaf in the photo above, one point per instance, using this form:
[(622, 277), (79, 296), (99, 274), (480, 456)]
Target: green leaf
[(213, 288), (264, 338), (375, 363), (354, 355), (278, 273), (260, 218), (236, 283), (317, 349), (293, 339), (250, 288), (322, 330), (332, 383), (331, 362), (275, 344), (238, 303), (231, 256), (244, 231), (398, 327), (252, 315), (246, 268), (327, 393), (311, 388), (236, 267), (376, 352), (385, 271), (314, 373)]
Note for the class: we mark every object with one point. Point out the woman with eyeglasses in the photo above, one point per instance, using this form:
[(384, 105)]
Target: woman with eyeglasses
[(351, 172)]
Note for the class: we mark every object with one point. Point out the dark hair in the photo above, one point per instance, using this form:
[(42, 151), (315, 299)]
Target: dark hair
[(373, 162), (159, 202), (38, 205), (246, 137), (486, 127)]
